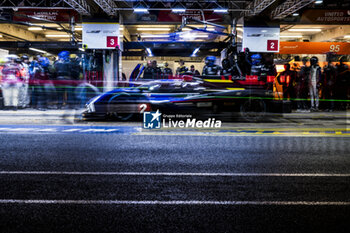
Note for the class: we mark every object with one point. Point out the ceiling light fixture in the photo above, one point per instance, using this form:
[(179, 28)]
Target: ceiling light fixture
[(221, 10), (37, 50), (141, 7), (305, 29), (154, 36), (58, 36), (153, 29), (291, 36), (35, 29), (318, 2), (178, 8)]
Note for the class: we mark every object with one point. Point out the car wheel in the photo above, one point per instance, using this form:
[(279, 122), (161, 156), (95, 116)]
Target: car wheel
[(112, 110), (253, 109)]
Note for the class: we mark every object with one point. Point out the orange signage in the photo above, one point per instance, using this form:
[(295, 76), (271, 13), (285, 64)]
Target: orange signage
[(314, 47)]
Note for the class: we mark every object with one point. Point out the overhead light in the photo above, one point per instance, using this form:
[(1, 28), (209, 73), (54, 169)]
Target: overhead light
[(154, 36), (37, 50), (239, 36), (141, 7), (318, 2), (149, 52), (295, 14), (141, 10), (0, 36), (35, 29), (178, 10), (347, 36), (292, 36), (305, 29), (81, 49), (191, 36), (220, 10), (78, 29), (239, 29), (58, 36), (194, 52), (153, 29)]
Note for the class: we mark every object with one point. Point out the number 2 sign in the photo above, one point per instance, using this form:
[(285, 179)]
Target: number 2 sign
[(272, 45), (112, 41)]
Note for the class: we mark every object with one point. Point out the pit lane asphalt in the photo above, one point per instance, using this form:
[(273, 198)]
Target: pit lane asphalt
[(97, 182)]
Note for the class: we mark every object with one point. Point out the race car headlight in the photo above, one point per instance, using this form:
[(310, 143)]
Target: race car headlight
[(90, 106)]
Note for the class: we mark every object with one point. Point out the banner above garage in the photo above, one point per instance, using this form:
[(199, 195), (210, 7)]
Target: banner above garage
[(320, 16), (100, 35), (54, 15), (339, 48)]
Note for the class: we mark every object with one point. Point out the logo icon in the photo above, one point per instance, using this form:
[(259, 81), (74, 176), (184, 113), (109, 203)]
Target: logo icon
[(151, 120)]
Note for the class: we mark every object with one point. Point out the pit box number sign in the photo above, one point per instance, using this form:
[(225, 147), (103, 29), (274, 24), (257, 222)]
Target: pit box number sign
[(112, 41), (272, 45)]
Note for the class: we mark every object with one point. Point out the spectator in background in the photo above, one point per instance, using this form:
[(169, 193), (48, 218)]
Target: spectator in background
[(182, 69), (328, 85), (256, 64), (167, 71), (314, 83), (24, 99), (11, 82), (286, 79), (342, 82), (148, 73), (156, 71), (302, 86), (226, 67), (193, 71), (210, 67), (63, 84)]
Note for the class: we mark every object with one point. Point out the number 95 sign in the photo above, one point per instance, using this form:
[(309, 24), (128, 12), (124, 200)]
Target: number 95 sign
[(112, 41)]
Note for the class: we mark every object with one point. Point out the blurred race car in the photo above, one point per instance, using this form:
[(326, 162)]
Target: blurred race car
[(178, 96), (123, 103)]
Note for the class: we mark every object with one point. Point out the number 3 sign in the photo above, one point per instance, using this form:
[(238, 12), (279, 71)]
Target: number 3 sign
[(272, 45), (112, 41)]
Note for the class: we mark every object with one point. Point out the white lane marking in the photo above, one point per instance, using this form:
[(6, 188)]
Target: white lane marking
[(70, 130), (98, 130), (177, 202), (173, 174), (48, 130)]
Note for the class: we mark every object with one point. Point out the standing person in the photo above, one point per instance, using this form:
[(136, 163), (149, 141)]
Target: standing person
[(11, 82), (342, 82), (194, 71), (39, 78), (182, 69), (156, 71), (288, 77), (328, 81), (24, 98), (314, 81), (256, 64), (63, 79), (148, 73), (302, 86), (226, 67), (210, 67), (167, 71)]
